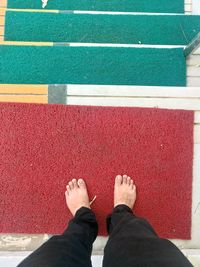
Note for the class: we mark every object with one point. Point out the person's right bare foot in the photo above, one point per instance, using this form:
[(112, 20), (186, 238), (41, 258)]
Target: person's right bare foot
[(125, 191)]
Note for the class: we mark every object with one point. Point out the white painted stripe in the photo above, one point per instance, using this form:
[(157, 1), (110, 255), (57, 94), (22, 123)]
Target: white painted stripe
[(127, 45), (125, 13), (193, 81), (167, 103), (136, 91), (133, 91)]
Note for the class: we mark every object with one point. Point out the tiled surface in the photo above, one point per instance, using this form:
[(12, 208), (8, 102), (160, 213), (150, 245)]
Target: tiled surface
[(11, 260)]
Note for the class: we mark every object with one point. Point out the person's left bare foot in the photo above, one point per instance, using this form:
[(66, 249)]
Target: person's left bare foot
[(76, 195)]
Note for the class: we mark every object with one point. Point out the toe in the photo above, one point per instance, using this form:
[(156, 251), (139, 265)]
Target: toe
[(128, 180), (68, 188), (71, 185), (131, 183), (118, 180), (125, 179), (74, 181), (81, 184)]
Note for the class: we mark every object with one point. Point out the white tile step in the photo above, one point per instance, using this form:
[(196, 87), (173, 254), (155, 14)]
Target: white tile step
[(11, 259)]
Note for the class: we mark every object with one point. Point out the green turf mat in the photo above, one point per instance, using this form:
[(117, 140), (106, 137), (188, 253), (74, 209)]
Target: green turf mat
[(92, 65), (162, 6), (124, 29)]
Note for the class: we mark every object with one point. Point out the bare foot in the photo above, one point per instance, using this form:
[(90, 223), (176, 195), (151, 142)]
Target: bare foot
[(76, 195), (125, 191)]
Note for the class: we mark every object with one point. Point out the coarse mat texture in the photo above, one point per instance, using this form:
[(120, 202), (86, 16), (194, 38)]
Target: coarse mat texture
[(44, 146), (90, 28), (92, 65), (160, 6)]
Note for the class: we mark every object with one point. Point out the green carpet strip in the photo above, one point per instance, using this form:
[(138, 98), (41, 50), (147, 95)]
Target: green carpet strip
[(92, 65), (160, 6), (124, 29)]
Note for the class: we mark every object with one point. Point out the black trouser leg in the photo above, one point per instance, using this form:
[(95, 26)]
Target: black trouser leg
[(71, 249), (133, 242)]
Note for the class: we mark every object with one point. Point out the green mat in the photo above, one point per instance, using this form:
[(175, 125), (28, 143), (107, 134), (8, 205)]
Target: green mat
[(92, 65), (162, 6), (124, 29)]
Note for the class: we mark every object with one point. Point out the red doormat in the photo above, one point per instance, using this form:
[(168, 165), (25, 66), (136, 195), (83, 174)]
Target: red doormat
[(44, 146)]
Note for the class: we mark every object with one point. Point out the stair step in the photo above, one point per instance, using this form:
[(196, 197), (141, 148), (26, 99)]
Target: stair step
[(90, 28), (165, 6), (92, 65)]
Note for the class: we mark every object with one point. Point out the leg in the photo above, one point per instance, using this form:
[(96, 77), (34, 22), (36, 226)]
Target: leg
[(74, 247), (133, 239)]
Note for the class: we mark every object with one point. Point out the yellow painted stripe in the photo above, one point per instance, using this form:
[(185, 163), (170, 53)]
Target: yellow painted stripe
[(24, 98), (2, 11), (23, 89), (25, 43), (3, 3), (2, 20), (1, 30), (34, 10)]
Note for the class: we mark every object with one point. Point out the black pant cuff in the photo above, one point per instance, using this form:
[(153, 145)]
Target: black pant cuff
[(122, 208), (82, 212), (85, 222)]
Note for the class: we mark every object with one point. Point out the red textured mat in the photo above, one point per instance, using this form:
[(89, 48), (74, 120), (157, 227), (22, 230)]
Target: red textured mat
[(44, 146)]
